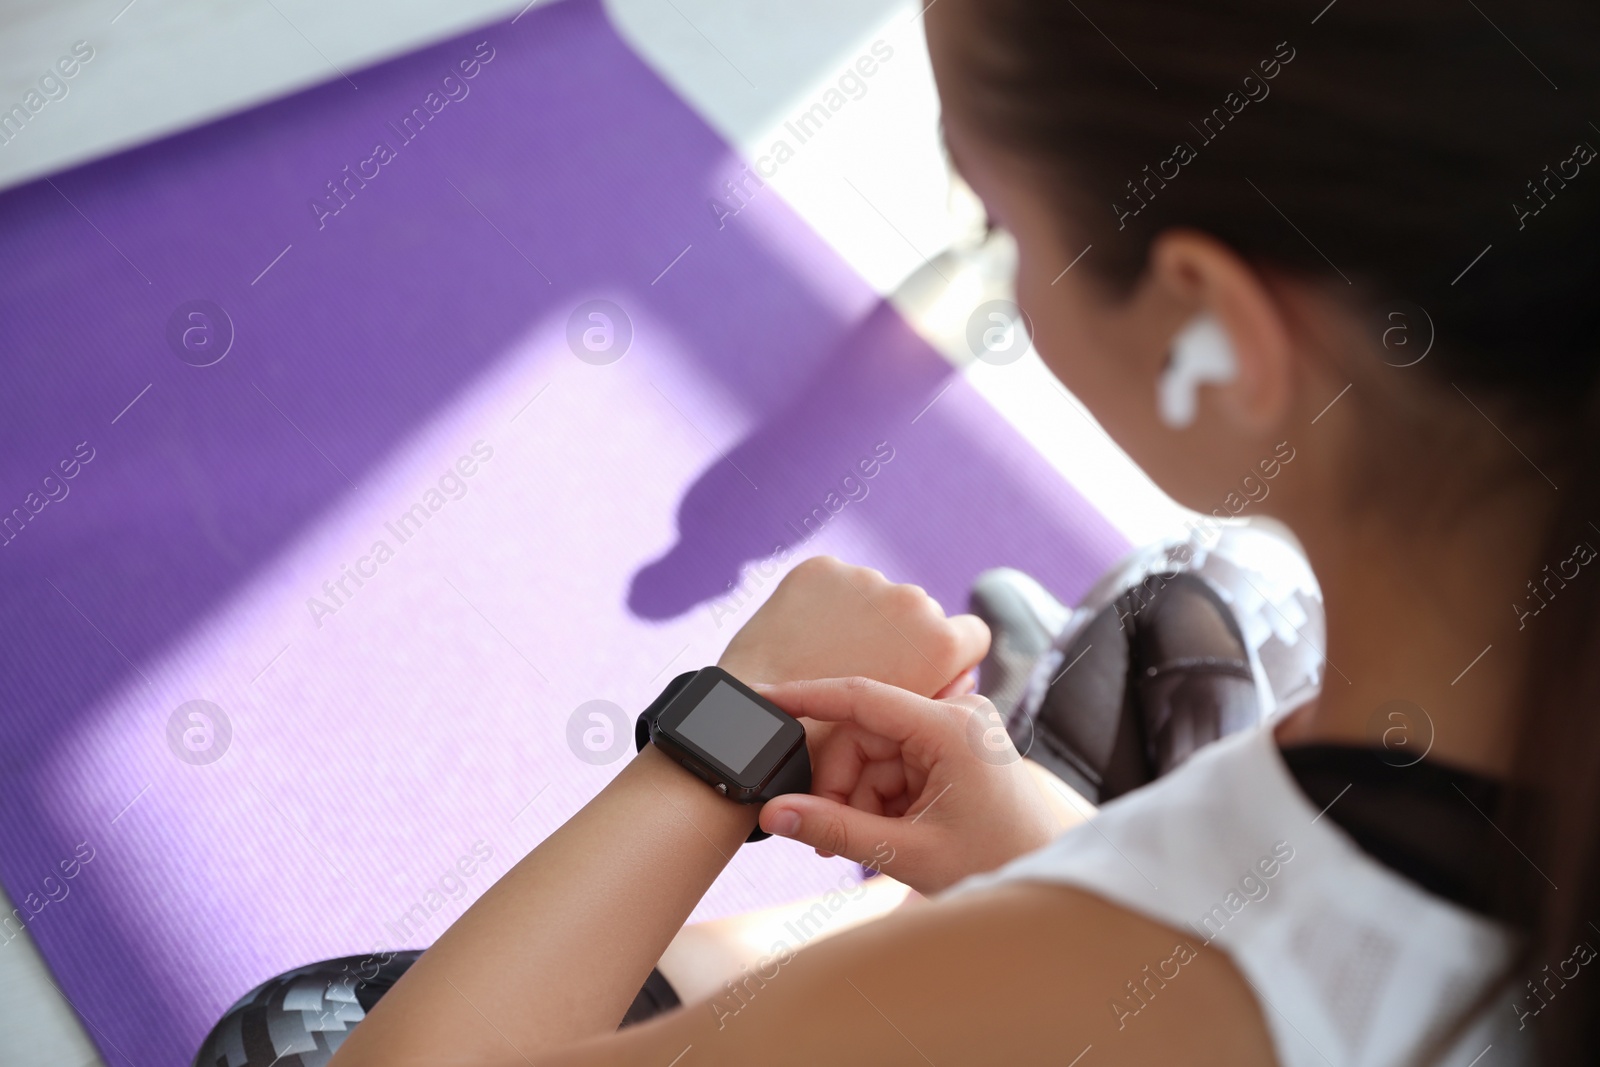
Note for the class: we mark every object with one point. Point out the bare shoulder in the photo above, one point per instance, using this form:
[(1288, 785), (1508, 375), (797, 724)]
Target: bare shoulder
[(1021, 974)]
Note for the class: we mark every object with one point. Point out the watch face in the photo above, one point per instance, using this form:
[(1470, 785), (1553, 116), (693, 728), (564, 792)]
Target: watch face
[(732, 731), (729, 727)]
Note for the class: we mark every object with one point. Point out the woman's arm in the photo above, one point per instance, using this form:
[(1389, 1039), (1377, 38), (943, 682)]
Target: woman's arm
[(1021, 974), (556, 950)]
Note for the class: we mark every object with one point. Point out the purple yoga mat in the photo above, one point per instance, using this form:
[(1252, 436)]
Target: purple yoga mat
[(316, 447)]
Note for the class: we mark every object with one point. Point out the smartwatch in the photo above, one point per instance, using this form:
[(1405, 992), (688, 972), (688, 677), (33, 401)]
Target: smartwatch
[(741, 744)]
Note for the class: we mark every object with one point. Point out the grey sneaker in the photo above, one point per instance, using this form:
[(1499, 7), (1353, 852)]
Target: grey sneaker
[(1024, 621)]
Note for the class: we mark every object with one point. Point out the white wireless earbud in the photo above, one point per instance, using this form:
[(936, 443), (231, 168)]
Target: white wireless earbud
[(1200, 353)]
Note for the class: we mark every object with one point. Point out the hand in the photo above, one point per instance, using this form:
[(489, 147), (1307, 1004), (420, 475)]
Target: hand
[(937, 782), (828, 619)]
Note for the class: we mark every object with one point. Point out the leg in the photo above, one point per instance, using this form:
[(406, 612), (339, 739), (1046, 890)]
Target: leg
[(301, 1017), (706, 961), (1181, 643)]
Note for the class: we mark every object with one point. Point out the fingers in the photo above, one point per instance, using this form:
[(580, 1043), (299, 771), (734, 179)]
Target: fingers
[(965, 684), (828, 826), (884, 710), (971, 641), (881, 789), (902, 611), (846, 754)]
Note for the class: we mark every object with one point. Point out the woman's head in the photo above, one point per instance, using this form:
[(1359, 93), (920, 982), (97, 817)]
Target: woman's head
[(1400, 198), (1320, 188)]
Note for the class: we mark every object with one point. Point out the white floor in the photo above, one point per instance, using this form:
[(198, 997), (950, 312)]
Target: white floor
[(166, 65)]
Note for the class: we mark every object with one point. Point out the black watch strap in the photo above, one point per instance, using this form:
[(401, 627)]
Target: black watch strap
[(647, 718), (793, 777)]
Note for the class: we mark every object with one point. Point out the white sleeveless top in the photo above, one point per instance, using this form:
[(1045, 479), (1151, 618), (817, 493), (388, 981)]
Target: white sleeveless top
[(1351, 963)]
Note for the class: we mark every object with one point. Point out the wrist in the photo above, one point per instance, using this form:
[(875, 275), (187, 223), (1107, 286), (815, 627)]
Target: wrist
[(723, 822), (749, 668)]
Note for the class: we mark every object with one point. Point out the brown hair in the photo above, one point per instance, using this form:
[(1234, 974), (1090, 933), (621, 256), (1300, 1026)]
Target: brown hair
[(1399, 150)]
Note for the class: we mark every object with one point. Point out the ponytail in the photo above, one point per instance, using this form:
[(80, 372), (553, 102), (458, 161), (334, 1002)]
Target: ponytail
[(1553, 810)]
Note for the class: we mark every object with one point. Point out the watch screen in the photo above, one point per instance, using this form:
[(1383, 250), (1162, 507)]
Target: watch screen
[(729, 726)]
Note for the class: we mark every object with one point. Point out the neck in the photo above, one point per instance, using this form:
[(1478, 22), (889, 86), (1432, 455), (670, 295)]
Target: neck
[(1425, 616)]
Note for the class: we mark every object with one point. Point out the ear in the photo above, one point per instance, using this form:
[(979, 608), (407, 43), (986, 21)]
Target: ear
[(1201, 273)]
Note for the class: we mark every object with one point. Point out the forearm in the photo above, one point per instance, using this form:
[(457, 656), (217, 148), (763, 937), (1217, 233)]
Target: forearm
[(555, 951)]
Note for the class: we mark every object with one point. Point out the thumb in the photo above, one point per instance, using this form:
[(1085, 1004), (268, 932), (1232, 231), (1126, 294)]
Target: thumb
[(831, 826)]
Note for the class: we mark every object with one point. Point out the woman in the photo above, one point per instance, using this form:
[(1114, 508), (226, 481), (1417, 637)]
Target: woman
[(1316, 194)]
